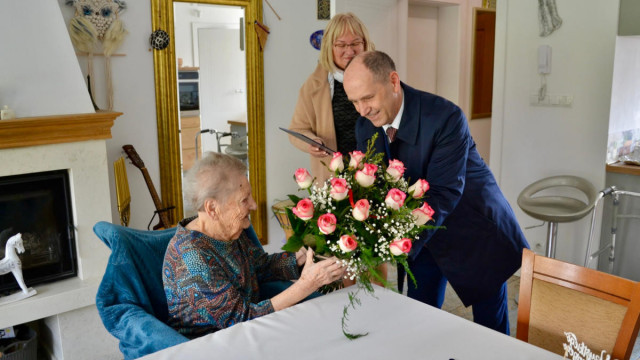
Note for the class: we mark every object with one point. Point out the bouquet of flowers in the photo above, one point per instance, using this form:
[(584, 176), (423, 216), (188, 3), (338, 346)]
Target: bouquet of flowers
[(365, 215)]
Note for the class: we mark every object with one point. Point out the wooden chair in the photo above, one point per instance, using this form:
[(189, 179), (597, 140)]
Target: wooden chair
[(601, 309), (122, 191)]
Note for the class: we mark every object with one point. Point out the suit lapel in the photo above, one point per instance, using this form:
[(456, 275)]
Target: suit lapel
[(409, 125)]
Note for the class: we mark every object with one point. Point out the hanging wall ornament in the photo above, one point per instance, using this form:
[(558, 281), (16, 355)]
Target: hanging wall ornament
[(263, 32), (95, 22), (316, 39), (159, 40), (548, 17)]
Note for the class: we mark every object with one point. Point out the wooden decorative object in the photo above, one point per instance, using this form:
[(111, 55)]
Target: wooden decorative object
[(161, 210), (122, 191), (324, 9), (56, 129)]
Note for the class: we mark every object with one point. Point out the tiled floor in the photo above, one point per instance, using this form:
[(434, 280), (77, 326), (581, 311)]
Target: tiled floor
[(453, 305)]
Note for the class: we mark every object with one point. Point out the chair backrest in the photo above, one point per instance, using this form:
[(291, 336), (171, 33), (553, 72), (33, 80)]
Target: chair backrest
[(122, 191), (131, 299), (602, 310)]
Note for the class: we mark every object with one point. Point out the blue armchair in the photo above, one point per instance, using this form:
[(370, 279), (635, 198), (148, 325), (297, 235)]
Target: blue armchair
[(131, 299)]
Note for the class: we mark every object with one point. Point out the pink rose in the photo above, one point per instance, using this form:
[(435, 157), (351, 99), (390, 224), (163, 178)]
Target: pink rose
[(400, 246), (418, 189), (367, 175), (336, 163), (327, 223), (395, 170), (423, 214), (347, 243), (356, 159), (361, 210), (395, 199), (303, 178), (339, 189), (304, 209)]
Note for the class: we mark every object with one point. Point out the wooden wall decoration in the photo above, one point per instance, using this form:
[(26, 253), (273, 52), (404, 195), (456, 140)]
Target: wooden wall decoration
[(324, 9)]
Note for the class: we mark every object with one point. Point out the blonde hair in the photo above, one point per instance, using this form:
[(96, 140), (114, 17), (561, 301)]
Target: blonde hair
[(335, 28)]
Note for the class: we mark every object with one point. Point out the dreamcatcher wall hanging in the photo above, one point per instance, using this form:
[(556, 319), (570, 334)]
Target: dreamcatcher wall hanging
[(96, 22)]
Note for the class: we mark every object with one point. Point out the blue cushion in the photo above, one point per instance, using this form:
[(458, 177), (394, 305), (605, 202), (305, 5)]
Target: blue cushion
[(131, 299)]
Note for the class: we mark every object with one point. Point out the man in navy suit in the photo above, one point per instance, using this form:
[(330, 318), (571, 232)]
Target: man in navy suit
[(481, 244)]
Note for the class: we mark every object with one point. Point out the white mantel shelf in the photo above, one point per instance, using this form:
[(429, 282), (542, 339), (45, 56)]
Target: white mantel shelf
[(51, 299)]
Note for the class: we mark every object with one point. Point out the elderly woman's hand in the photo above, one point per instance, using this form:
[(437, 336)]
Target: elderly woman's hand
[(301, 256), (312, 277), (321, 273)]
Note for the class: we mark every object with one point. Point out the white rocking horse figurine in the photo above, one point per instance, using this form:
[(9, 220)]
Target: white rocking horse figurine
[(11, 263)]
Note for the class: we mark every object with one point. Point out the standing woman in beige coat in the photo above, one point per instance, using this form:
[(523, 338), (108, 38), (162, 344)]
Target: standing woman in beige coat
[(323, 112)]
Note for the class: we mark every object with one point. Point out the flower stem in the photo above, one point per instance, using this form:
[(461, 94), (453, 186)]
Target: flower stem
[(353, 300)]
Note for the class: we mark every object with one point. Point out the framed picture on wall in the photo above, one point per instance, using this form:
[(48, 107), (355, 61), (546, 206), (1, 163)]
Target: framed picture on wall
[(489, 4), (324, 9)]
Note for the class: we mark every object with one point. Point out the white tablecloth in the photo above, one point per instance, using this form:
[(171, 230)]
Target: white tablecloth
[(398, 327)]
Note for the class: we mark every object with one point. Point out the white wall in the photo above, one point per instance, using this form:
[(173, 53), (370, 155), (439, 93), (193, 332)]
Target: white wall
[(289, 59), (134, 96), (481, 131), (448, 53), (558, 140), (439, 57), (381, 18), (28, 84), (530, 142), (422, 41)]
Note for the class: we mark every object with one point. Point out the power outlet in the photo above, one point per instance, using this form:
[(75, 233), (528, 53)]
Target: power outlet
[(551, 100)]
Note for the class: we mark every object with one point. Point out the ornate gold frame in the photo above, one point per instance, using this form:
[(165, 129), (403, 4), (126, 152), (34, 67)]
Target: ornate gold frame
[(167, 110)]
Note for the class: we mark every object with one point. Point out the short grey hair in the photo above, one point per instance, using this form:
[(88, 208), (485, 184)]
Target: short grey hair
[(211, 177)]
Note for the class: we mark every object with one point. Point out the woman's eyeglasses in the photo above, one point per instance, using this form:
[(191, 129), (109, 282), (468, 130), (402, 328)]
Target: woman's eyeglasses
[(343, 46)]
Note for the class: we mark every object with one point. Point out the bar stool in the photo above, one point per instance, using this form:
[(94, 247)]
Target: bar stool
[(556, 209)]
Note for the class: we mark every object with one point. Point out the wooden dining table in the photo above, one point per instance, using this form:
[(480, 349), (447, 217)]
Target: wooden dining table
[(398, 328)]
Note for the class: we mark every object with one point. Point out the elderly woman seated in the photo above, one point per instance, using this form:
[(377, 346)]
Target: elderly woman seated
[(212, 270)]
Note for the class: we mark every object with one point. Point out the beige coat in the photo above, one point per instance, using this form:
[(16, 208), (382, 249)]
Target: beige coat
[(313, 117)]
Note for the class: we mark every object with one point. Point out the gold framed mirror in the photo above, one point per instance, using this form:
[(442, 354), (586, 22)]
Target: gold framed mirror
[(169, 150)]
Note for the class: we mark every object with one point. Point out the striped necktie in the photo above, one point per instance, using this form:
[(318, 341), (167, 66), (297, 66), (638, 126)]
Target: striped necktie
[(391, 133)]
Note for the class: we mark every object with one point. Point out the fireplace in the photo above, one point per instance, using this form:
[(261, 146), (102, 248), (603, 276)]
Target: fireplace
[(38, 206), (73, 147)]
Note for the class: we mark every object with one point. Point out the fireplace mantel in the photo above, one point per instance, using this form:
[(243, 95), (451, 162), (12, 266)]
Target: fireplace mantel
[(56, 129)]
